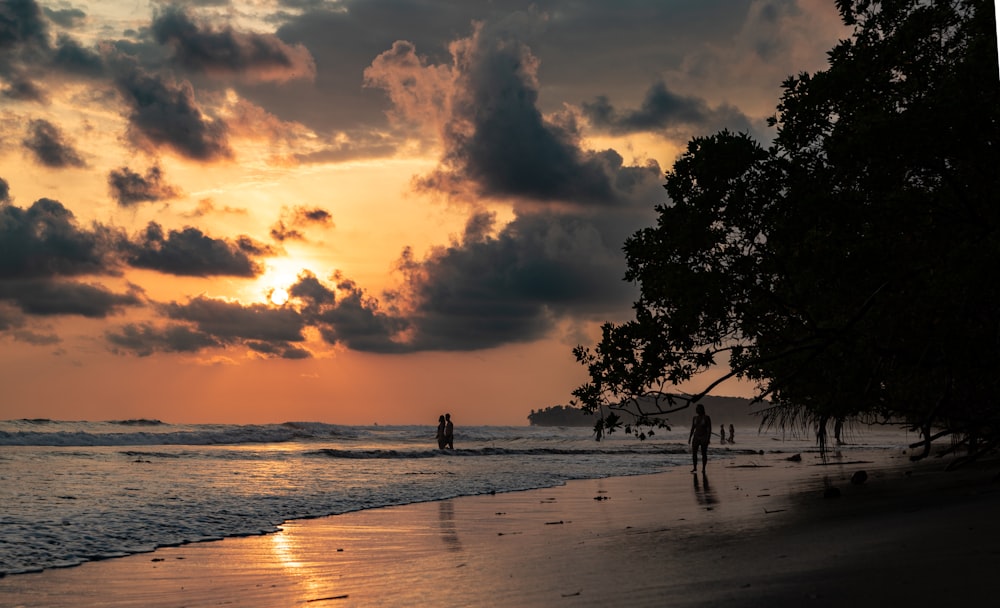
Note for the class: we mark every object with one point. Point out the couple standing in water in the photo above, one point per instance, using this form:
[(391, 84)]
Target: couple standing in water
[(446, 432)]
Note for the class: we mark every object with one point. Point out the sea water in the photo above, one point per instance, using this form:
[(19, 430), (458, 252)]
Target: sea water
[(71, 492)]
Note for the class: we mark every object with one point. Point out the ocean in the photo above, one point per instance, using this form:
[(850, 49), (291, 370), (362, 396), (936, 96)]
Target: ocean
[(72, 492)]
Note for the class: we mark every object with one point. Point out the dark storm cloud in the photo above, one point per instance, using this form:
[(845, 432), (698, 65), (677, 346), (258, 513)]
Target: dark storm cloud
[(230, 321), (190, 252), (130, 188), (45, 240), (202, 48), (4, 191), (143, 339), (70, 56), (552, 262), (48, 297), (50, 147), (42, 245), (497, 140), (165, 113), (586, 47), (21, 23), (27, 52), (510, 288), (24, 40), (356, 321), (66, 17), (663, 109)]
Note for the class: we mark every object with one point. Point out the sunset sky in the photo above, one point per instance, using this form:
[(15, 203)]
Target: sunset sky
[(347, 211)]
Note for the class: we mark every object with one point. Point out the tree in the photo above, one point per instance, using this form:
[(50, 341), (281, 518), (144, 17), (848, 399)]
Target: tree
[(848, 270)]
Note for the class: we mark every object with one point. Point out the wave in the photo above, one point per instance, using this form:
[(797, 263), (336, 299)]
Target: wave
[(377, 454), (155, 432)]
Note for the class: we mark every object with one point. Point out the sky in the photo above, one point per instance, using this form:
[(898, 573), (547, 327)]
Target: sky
[(348, 211)]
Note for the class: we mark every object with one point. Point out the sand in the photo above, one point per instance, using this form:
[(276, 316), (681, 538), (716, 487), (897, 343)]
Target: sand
[(755, 531)]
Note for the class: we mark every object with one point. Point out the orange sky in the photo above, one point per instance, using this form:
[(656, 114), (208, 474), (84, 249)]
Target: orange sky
[(350, 212)]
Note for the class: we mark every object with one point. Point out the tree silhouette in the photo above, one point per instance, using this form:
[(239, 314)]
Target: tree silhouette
[(848, 270)]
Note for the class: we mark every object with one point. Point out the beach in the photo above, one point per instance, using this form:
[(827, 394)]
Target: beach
[(752, 531)]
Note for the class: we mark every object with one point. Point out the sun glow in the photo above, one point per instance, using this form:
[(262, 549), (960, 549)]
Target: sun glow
[(275, 284), (278, 296)]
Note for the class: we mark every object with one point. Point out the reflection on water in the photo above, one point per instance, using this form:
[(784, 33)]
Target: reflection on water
[(446, 521), (703, 492), (284, 550)]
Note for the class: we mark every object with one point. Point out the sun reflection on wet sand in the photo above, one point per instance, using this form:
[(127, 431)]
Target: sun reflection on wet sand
[(284, 550)]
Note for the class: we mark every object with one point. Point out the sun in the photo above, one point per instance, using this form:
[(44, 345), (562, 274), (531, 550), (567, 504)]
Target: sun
[(277, 296)]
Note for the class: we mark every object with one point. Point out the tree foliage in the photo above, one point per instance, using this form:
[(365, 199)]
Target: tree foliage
[(849, 270)]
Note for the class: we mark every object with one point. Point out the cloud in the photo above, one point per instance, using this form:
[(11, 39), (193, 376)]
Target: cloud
[(224, 51), (663, 109), (143, 339), (356, 321), (22, 25), (71, 57), (514, 287), (497, 142), (165, 113), (560, 257), (230, 321), (65, 17), (24, 44), (280, 350), (189, 252), (130, 188), (47, 297), (4, 191), (50, 147), (202, 323), (45, 240), (286, 228), (40, 248), (13, 324)]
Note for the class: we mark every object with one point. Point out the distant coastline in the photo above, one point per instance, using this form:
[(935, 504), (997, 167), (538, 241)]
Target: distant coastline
[(721, 409)]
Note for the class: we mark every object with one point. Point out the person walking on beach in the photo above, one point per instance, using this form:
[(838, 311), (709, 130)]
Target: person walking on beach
[(449, 432), (722, 433), (440, 434), (699, 437), (732, 434)]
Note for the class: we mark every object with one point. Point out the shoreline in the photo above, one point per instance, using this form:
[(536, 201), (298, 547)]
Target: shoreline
[(755, 530)]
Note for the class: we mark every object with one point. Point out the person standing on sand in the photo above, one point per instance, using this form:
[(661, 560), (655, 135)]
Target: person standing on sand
[(449, 432), (722, 433), (732, 434), (699, 437), (440, 434)]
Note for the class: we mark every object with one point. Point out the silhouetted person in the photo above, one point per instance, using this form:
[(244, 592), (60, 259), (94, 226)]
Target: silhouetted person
[(722, 433), (449, 432), (699, 437), (442, 442), (732, 434)]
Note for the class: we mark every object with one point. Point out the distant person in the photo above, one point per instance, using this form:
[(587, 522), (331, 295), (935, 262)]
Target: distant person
[(732, 434), (449, 432), (442, 441), (699, 437), (722, 433)]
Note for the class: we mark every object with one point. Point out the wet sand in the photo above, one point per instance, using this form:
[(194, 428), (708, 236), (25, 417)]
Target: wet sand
[(754, 531)]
